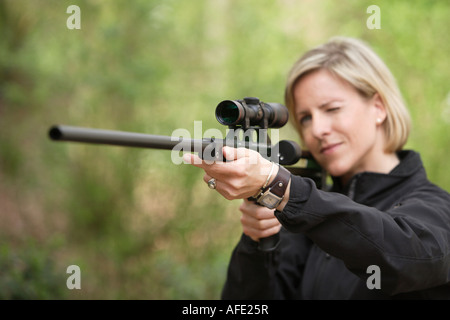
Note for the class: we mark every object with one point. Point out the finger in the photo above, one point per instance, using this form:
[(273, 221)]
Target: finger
[(206, 177), (230, 153), (258, 224), (256, 211), (191, 158), (256, 235)]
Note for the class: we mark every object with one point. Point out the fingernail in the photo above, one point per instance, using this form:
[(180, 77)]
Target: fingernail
[(187, 158)]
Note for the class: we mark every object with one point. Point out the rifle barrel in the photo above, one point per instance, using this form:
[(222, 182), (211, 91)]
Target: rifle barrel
[(123, 138)]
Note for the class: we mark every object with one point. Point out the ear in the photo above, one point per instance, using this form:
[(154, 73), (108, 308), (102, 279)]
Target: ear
[(380, 110)]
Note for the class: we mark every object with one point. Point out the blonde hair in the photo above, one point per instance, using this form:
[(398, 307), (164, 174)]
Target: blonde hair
[(355, 62)]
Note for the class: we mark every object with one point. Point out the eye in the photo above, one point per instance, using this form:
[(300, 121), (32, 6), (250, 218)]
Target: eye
[(305, 119), (333, 109)]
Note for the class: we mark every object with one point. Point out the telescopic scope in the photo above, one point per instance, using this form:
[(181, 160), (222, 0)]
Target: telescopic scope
[(251, 112)]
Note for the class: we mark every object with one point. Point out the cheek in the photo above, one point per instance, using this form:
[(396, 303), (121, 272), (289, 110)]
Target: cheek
[(355, 128), (362, 131), (309, 141)]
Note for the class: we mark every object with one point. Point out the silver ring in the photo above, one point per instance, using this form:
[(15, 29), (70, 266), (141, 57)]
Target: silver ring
[(212, 183)]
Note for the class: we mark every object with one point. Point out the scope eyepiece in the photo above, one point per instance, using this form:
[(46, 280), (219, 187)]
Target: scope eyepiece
[(251, 112)]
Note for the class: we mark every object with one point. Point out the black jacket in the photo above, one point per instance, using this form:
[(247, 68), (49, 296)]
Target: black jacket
[(398, 222)]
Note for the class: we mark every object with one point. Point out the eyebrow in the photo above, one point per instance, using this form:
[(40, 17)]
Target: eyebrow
[(321, 106)]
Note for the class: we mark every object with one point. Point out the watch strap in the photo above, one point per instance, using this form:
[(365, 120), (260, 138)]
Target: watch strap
[(279, 184)]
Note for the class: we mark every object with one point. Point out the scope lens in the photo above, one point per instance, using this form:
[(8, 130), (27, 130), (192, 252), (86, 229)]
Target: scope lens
[(228, 112)]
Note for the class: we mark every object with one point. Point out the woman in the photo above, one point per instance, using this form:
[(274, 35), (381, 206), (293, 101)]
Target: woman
[(381, 232)]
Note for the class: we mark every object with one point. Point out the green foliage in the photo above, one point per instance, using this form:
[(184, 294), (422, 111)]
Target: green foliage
[(139, 226), (30, 273)]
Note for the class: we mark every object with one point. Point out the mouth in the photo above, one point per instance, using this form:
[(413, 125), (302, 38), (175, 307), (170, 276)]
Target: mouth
[(330, 148)]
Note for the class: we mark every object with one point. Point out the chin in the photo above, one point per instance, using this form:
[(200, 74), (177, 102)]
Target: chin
[(336, 169)]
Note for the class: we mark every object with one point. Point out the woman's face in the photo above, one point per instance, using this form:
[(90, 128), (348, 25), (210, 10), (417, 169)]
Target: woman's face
[(341, 128)]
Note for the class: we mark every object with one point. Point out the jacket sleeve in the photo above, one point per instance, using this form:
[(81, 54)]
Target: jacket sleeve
[(253, 274), (410, 243)]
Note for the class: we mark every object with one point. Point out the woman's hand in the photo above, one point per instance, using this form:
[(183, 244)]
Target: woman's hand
[(257, 221), (240, 177)]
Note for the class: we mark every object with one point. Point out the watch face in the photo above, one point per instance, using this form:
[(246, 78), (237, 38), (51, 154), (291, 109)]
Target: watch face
[(269, 200)]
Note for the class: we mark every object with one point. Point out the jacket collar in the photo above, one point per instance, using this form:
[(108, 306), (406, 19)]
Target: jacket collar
[(366, 184)]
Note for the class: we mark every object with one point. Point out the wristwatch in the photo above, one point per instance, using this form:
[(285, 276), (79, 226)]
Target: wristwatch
[(273, 194)]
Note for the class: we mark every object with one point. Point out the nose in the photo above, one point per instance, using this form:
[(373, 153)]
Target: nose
[(320, 126)]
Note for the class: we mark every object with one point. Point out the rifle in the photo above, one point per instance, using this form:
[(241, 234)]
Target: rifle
[(248, 121)]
